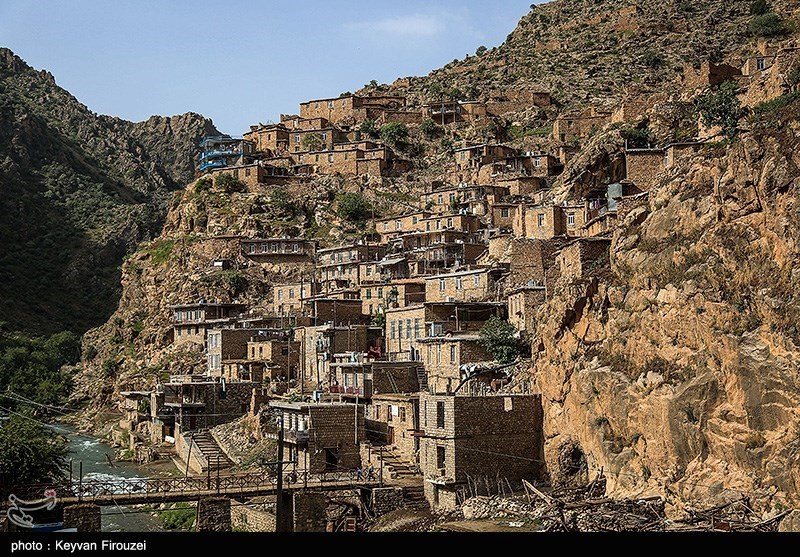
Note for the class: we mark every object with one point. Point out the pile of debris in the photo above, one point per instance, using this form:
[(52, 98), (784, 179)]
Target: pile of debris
[(588, 509)]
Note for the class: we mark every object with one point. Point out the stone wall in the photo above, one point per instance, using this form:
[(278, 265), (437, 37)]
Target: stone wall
[(578, 258), (386, 499), (338, 427), (214, 515), (253, 517), (642, 167), (85, 517), (309, 511)]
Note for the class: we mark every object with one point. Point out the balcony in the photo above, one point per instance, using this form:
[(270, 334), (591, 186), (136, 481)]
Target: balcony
[(342, 390), (182, 402)]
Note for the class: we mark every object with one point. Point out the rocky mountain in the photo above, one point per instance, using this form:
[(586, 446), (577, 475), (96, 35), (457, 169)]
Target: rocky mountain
[(673, 368), (79, 192)]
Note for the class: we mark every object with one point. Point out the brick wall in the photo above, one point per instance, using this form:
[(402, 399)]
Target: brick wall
[(252, 518), (214, 515), (443, 357), (334, 427), (309, 511), (522, 307), (402, 423), (415, 316), (578, 257), (477, 286)]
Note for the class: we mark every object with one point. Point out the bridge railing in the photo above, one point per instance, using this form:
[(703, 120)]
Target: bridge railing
[(223, 484)]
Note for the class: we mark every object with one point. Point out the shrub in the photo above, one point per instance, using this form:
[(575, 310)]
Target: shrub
[(203, 185), (312, 142), (354, 208), (160, 251), (429, 128), (228, 183), (653, 59), (481, 50), (180, 517), (638, 138), (721, 107), (281, 201), (394, 133), (768, 25), (369, 128), (498, 337), (29, 452)]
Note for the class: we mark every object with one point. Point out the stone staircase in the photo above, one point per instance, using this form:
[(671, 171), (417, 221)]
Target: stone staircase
[(422, 377), (414, 496), (211, 451), (395, 466)]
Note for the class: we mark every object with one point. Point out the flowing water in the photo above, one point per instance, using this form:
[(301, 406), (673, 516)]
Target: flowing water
[(95, 455)]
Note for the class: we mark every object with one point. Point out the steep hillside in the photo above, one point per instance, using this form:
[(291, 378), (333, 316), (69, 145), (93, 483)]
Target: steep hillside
[(80, 191)]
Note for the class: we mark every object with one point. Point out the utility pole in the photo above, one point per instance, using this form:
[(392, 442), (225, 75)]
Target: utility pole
[(279, 509)]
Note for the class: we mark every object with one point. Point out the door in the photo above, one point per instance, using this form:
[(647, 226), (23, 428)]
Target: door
[(390, 435), (331, 460)]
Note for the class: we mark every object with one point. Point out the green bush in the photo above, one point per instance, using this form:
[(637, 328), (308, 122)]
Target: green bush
[(180, 517), (227, 183), (721, 107), (160, 251), (481, 50), (768, 25), (394, 133), (354, 208), (498, 337), (281, 201), (638, 138), (776, 104), (29, 452), (203, 185), (369, 128), (429, 128)]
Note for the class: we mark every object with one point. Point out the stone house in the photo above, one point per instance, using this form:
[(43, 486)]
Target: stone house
[(288, 299), (192, 321), (356, 375), (501, 215), (533, 262), (190, 403), (707, 75), (349, 110), (503, 101), (476, 438), (353, 161), (581, 257), (520, 186), (455, 221), (529, 164), (444, 355), (631, 110), (437, 257), (319, 344), (475, 285), (642, 166), (319, 437), (470, 198), (523, 301), (270, 140), (343, 263), (271, 359), (390, 228), (550, 221), (254, 175), (455, 112), (225, 344), (395, 294), (294, 122), (315, 139), (393, 420), (570, 127), (279, 250)]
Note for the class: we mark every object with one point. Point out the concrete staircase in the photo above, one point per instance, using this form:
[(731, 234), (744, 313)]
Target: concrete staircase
[(211, 451), (395, 466)]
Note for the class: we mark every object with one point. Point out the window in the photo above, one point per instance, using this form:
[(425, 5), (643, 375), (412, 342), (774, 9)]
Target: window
[(330, 157), (417, 325), (247, 172), (324, 136), (428, 226), (442, 285), (297, 138), (537, 162), (295, 247), (280, 294), (439, 354), (385, 226), (761, 64), (369, 270), (330, 104), (452, 197), (400, 329), (504, 213), (316, 158), (414, 220), (570, 219), (380, 293), (408, 329), (540, 220), (463, 155), (438, 224), (274, 248), (449, 223), (459, 283), (439, 199), (369, 293), (260, 351), (291, 293), (440, 419), (393, 334), (453, 355), (398, 225), (252, 352), (284, 350)]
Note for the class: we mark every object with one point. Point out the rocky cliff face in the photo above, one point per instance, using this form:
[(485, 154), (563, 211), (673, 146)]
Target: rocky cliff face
[(679, 373), (80, 190)]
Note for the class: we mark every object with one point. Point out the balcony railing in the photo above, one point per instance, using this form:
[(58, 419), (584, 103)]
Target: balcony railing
[(341, 389)]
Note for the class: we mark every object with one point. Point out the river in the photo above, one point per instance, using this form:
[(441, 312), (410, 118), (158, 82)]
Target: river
[(94, 455)]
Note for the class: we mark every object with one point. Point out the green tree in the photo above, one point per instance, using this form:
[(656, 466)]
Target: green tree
[(498, 337), (721, 107), (638, 138), (429, 128), (228, 183), (30, 452), (481, 50), (281, 201), (369, 128), (394, 133), (312, 142), (768, 25), (354, 208)]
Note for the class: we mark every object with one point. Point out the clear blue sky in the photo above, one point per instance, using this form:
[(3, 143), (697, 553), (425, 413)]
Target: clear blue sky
[(242, 62)]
